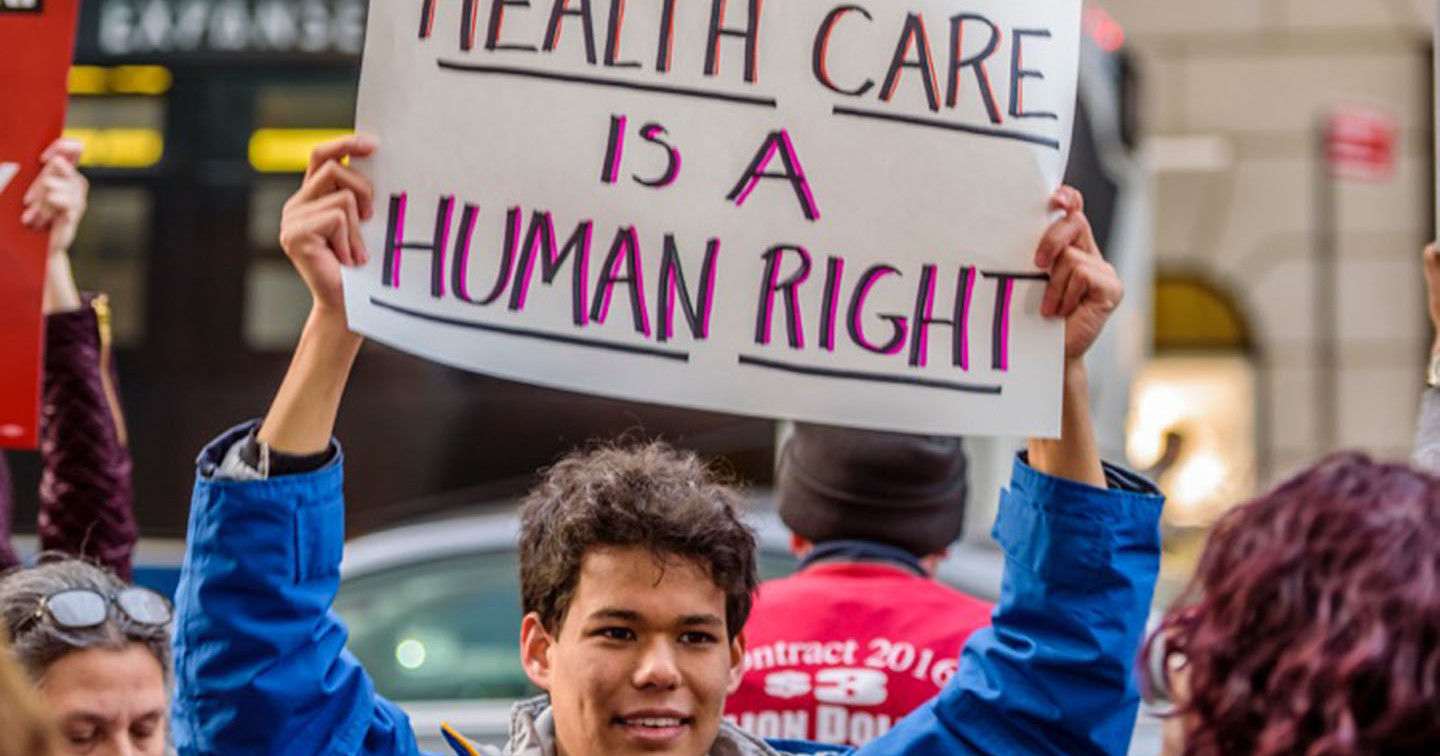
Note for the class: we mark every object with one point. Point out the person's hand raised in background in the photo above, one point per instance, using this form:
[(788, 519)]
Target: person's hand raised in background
[(56, 202)]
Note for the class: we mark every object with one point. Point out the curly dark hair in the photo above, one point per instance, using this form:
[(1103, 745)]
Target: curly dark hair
[(1312, 625), (649, 496)]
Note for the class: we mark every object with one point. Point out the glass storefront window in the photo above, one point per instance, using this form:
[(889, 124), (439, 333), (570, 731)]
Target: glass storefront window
[(118, 113), (1193, 430), (267, 201), (289, 120), (302, 106), (1193, 425), (276, 304), (118, 131), (110, 251)]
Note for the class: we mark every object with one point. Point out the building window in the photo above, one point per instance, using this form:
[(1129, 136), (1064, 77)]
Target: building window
[(1193, 425)]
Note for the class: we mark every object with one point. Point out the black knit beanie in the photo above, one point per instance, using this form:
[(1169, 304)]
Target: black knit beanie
[(841, 484)]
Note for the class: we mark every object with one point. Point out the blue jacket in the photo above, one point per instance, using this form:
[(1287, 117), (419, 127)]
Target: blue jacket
[(261, 665)]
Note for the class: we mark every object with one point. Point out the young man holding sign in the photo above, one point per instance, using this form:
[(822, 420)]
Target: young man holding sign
[(637, 574)]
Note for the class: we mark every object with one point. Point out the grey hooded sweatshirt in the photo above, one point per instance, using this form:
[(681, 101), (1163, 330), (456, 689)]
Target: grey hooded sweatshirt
[(532, 733)]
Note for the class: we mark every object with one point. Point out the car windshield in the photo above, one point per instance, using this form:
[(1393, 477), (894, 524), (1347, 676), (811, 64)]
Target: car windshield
[(448, 629), (443, 629)]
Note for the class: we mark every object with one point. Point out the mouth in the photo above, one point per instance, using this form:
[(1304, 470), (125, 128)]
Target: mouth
[(654, 727)]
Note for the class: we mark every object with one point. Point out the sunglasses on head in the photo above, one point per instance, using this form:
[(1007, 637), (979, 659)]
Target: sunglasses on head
[(82, 608)]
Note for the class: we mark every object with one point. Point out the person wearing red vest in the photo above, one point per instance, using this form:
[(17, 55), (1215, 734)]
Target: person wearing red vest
[(862, 634)]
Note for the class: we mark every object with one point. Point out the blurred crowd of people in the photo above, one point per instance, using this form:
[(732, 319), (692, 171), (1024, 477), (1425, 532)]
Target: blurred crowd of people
[(1311, 626)]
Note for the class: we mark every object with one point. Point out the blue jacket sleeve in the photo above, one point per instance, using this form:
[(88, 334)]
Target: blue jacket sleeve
[(260, 660), (1054, 673)]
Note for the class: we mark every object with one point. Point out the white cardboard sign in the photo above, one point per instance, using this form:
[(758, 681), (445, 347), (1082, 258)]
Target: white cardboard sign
[(823, 211)]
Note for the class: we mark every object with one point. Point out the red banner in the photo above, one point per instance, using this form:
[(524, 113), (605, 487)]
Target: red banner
[(38, 40)]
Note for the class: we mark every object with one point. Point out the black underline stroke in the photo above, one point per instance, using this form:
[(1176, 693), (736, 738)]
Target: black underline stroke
[(524, 333), (1011, 276), (599, 81), (852, 375), (1018, 136)]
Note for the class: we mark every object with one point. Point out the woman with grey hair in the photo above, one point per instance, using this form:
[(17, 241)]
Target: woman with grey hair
[(98, 652)]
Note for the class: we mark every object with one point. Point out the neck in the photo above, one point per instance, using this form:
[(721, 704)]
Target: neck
[(866, 552)]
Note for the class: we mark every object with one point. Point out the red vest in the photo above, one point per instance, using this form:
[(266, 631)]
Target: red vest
[(840, 651)]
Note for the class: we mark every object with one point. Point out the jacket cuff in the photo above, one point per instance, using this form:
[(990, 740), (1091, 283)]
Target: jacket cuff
[(73, 328), (303, 516), (228, 458), (1073, 535), (72, 346)]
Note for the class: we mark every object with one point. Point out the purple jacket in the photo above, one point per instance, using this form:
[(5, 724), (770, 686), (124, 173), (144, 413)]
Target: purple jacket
[(86, 499)]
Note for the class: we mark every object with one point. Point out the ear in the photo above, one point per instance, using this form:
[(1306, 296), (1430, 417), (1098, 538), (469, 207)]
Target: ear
[(737, 662), (799, 546), (535, 646), (931, 563)]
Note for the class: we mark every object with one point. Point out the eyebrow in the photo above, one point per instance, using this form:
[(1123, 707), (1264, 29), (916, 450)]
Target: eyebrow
[(84, 717), (629, 615), (624, 615), (701, 620), (91, 717)]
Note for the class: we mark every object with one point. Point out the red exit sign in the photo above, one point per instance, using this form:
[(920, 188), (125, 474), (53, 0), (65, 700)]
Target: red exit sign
[(1361, 143)]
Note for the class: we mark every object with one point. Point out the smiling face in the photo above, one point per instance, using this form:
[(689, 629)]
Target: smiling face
[(641, 662), (108, 702)]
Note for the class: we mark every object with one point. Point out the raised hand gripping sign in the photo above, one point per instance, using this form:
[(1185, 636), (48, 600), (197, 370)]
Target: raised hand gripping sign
[(816, 210), (36, 43)]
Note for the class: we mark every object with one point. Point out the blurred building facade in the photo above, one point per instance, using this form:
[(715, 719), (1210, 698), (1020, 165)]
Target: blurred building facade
[(1233, 93)]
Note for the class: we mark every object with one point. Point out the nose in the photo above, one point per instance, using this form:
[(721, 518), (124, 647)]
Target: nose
[(121, 745), (657, 667)]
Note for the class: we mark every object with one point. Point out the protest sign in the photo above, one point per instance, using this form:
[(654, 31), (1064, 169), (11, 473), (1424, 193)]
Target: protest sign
[(800, 209), (37, 37)]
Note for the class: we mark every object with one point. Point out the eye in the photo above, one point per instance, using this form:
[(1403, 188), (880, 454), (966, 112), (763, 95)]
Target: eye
[(81, 738), (697, 637), (615, 633)]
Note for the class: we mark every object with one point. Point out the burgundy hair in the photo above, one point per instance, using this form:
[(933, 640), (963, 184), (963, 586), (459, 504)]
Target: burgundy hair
[(1312, 625)]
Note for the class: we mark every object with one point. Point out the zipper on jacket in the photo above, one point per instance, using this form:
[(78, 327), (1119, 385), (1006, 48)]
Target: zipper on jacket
[(101, 305)]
